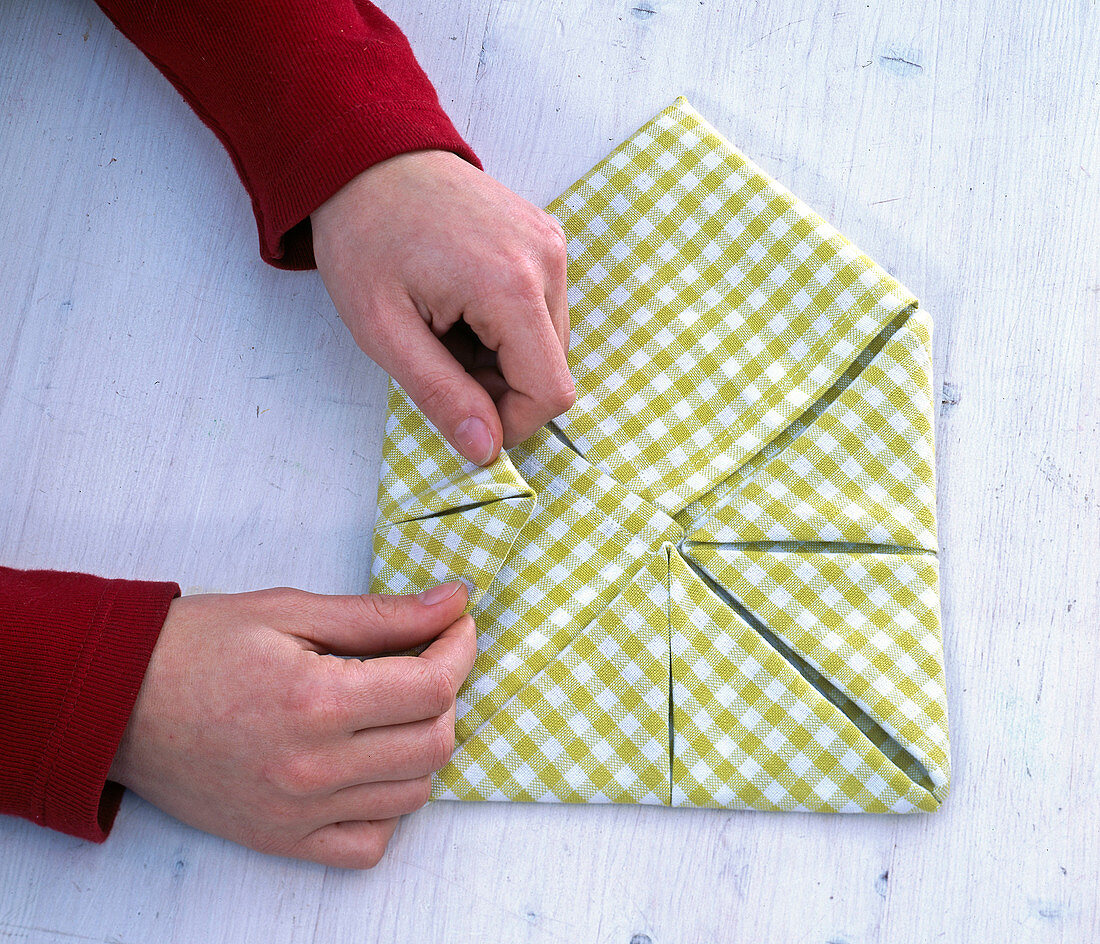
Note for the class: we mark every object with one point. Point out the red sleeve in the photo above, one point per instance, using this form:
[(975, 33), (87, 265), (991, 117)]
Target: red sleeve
[(73, 652), (304, 94)]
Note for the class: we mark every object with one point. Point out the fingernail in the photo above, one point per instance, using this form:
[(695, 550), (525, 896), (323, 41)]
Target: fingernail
[(475, 441), (444, 591)]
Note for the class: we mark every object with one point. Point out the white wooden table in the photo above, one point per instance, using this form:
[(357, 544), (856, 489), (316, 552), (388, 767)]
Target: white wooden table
[(170, 407)]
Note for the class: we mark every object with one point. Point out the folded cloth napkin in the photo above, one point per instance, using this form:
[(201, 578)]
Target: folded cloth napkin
[(713, 582)]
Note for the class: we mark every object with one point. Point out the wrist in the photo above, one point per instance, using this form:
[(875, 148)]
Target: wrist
[(384, 174)]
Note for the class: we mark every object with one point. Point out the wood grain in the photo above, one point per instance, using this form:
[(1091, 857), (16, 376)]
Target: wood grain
[(170, 407)]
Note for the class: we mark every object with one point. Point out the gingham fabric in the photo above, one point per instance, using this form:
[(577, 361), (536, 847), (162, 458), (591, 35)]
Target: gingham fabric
[(713, 582)]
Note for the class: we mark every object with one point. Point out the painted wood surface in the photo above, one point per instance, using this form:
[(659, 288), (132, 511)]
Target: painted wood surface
[(170, 407)]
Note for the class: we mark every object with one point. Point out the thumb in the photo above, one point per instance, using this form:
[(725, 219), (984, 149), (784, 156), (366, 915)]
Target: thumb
[(373, 623), (456, 404)]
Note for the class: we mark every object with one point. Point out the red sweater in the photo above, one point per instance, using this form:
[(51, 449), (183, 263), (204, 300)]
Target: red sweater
[(304, 94)]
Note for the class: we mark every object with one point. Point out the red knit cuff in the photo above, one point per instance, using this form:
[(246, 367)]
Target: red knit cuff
[(73, 653), (330, 159)]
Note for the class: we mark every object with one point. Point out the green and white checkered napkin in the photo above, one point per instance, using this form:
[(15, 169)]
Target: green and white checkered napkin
[(713, 582)]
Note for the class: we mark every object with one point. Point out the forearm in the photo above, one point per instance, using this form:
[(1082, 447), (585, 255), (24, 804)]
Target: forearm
[(304, 94)]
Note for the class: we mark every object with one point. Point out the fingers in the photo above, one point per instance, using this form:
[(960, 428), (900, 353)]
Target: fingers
[(557, 283), (244, 727), (393, 690), (385, 753), (531, 359), (455, 403), (510, 375), (372, 623), (453, 653), (355, 844), (378, 800), (393, 753)]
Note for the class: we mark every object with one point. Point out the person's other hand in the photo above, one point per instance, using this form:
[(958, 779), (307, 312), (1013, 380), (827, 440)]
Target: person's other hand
[(456, 287), (249, 726)]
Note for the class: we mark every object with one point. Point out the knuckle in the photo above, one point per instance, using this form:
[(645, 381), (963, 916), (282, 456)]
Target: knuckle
[(301, 775), (554, 241), (272, 774), (278, 777), (279, 594), (439, 689), (435, 391), (441, 743), (566, 397), (556, 229), (378, 607), (560, 394), (468, 637), (316, 704), (285, 600), (520, 278)]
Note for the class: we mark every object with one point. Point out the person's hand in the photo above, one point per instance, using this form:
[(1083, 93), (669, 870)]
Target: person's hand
[(456, 287), (249, 726)]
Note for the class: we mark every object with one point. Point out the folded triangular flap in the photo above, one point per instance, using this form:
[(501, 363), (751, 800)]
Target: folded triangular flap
[(857, 467), (591, 725), (473, 544), (752, 732), (422, 475), (729, 307), (439, 516), (868, 622)]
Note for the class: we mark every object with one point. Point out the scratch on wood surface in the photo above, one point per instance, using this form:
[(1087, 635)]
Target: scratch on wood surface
[(53, 932), (949, 397), (915, 65), (904, 66), (778, 29), (882, 883), (482, 57)]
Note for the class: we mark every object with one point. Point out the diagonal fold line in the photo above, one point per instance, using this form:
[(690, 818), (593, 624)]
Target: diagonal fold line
[(784, 436), (558, 433), (456, 509), (555, 649), (880, 738), (655, 512)]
